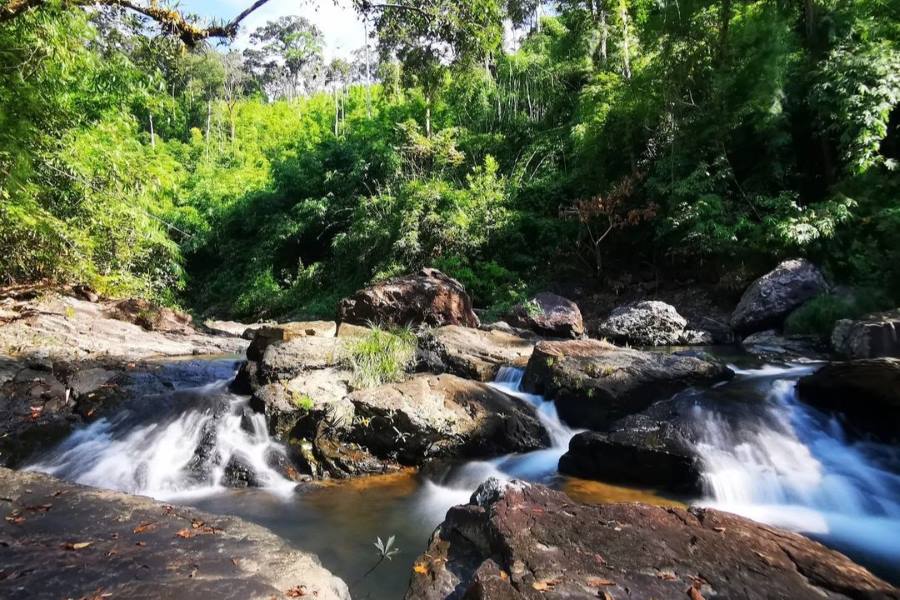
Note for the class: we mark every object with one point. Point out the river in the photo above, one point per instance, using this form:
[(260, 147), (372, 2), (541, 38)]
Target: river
[(765, 455)]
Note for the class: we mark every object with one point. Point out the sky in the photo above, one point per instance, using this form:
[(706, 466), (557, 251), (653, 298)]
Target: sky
[(342, 27)]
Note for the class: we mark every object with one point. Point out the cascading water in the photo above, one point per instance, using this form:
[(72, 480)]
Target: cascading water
[(457, 486), (789, 465), (185, 449)]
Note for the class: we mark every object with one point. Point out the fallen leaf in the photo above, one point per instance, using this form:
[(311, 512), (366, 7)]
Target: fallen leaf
[(185, 533), (144, 527), (599, 582), (141, 544), (420, 568), (39, 508), (197, 523), (296, 592), (78, 545), (15, 517), (719, 529), (544, 584), (694, 592), (504, 575), (666, 576)]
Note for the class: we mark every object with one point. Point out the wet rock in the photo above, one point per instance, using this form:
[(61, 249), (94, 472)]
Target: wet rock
[(771, 343), (647, 323), (472, 353), (770, 299), (595, 383), (428, 297), (872, 336), (636, 451), (865, 391), (239, 473), (308, 395), (527, 541), (550, 315), (433, 416), (246, 380), (134, 547), (267, 335)]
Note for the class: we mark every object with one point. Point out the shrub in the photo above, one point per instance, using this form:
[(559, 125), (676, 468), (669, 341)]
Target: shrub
[(379, 357), (818, 316)]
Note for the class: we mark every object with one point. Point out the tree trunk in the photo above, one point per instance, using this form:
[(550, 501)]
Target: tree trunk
[(626, 43), (428, 116), (368, 72), (604, 35), (152, 133)]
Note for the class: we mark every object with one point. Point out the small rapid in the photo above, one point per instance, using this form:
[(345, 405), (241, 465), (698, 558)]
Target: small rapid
[(187, 447), (789, 465)]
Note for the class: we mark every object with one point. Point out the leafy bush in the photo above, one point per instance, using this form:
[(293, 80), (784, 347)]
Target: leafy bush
[(818, 316), (381, 356)]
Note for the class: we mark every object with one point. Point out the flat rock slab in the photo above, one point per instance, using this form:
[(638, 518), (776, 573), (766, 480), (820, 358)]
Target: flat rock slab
[(473, 353), (61, 540), (523, 541)]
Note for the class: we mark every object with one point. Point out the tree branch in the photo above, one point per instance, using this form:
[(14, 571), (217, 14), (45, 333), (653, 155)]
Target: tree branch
[(170, 19)]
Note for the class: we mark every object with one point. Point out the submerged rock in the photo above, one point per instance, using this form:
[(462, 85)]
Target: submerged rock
[(866, 391), (527, 541), (636, 451), (595, 383), (872, 336), (62, 540), (429, 297), (550, 315), (770, 299), (473, 353)]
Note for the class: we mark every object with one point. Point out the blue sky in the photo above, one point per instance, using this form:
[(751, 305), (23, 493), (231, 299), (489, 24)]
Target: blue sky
[(342, 27)]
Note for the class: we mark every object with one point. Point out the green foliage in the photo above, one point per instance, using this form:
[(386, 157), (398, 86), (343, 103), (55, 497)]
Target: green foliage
[(818, 316), (302, 401), (381, 356)]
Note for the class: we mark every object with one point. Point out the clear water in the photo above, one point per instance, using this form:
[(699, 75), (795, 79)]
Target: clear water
[(766, 456)]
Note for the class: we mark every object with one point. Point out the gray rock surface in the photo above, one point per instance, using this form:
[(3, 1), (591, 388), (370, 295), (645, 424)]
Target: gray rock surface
[(646, 323), (595, 383), (61, 540), (770, 299), (473, 353), (549, 315), (872, 336)]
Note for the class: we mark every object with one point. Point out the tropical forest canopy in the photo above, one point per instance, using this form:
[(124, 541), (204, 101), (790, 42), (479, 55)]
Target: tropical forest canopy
[(507, 143)]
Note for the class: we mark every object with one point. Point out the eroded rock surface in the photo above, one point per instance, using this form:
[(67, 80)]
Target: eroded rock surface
[(770, 299), (473, 353), (872, 336), (548, 315), (649, 323), (427, 297), (61, 540), (595, 383), (521, 541)]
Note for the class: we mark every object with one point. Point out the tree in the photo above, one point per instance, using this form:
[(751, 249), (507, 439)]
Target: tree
[(286, 56)]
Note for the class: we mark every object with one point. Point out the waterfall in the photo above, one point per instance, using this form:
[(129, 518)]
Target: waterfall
[(184, 451), (792, 466)]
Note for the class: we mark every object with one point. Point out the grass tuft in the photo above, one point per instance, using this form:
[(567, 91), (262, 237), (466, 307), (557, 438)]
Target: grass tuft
[(379, 357)]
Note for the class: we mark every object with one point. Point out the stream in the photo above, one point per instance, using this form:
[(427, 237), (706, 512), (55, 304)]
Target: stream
[(765, 456)]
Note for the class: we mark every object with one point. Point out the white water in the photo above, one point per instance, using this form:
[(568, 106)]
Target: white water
[(538, 465), (155, 458), (793, 467)]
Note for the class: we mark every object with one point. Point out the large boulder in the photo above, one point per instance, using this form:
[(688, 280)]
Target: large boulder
[(521, 541), (550, 315), (267, 335), (871, 336), (473, 353), (594, 383), (62, 540), (433, 416), (283, 361), (428, 297), (647, 323), (770, 299), (152, 317), (866, 391), (638, 451)]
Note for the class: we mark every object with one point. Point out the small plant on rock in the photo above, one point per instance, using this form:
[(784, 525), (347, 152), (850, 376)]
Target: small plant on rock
[(380, 357)]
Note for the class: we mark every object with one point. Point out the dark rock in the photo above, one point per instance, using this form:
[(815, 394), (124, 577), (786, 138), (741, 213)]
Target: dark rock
[(595, 383), (134, 547), (636, 451), (550, 315), (472, 353), (428, 297), (239, 474), (770, 299), (647, 323), (246, 380), (530, 542), (771, 343), (444, 416), (866, 391), (872, 336), (152, 317)]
